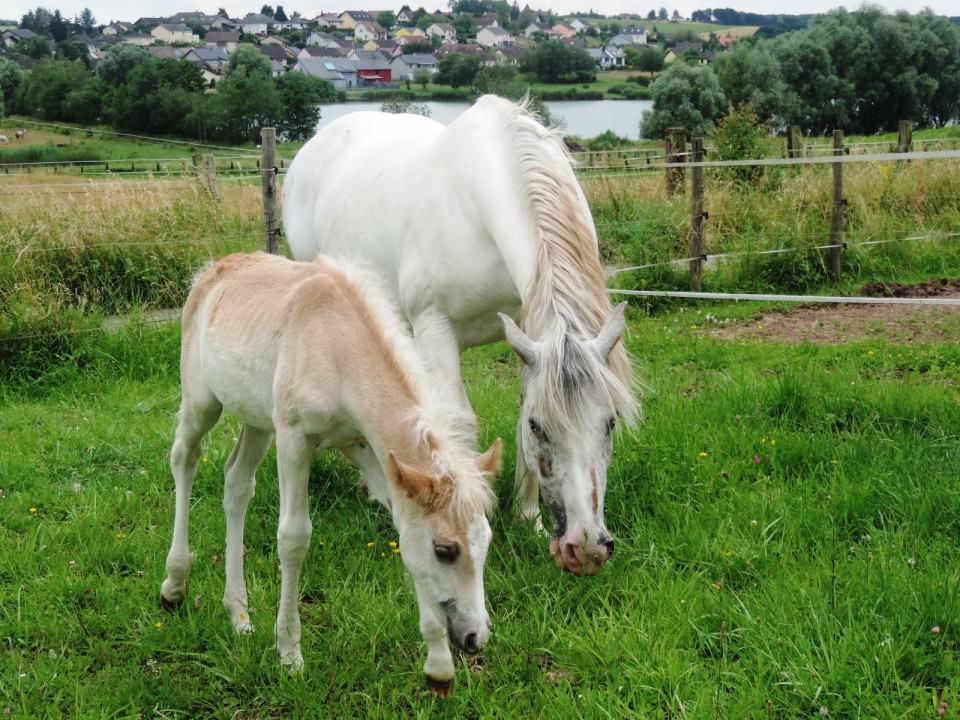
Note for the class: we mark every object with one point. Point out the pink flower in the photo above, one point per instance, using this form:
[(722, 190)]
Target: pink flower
[(757, 459)]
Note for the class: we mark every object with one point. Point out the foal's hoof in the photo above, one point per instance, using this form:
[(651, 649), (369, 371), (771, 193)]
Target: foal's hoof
[(441, 688), (170, 605)]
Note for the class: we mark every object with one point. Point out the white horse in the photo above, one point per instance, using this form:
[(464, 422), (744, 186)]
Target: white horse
[(315, 354), (464, 221), (3, 140), (21, 134)]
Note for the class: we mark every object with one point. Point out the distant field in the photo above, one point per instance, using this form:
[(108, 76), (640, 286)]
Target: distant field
[(669, 26)]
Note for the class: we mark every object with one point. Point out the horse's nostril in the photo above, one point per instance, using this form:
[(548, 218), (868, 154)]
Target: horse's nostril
[(609, 545), (470, 643)]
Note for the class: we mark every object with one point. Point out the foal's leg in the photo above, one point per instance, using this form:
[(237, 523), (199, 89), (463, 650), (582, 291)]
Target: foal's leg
[(293, 537), (196, 419), (239, 482), (438, 346)]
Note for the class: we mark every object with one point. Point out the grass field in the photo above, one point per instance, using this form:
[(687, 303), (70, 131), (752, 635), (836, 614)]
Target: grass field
[(786, 517)]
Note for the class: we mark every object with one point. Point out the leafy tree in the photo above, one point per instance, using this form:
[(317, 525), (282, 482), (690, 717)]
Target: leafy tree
[(652, 15), (222, 12), (267, 10), (300, 98), (662, 15), (73, 50), (48, 85), (280, 15), (37, 21), (500, 80), (751, 75), (87, 21), (554, 62), (676, 15), (411, 48), (686, 96), (11, 78), (387, 20), (422, 78), (118, 63), (246, 99), (457, 70), (59, 29), (649, 60), (739, 136), (84, 104), (3, 109), (465, 28), (37, 47)]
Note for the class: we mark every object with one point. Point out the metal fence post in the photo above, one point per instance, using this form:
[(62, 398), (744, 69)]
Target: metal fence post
[(697, 216), (836, 217), (268, 172)]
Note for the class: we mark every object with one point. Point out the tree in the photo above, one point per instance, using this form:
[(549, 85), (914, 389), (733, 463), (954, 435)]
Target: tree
[(652, 15), (87, 21), (648, 60), (676, 16), (84, 104), (422, 78), (222, 12), (300, 98), (465, 28), (119, 62), (554, 62), (456, 70), (662, 15), (74, 50), (267, 10), (3, 109), (37, 47), (246, 99), (686, 96), (11, 78), (47, 87), (751, 75), (280, 15), (387, 20), (58, 27), (37, 21)]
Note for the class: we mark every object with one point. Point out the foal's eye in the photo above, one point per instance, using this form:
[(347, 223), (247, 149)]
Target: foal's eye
[(446, 552), (537, 430)]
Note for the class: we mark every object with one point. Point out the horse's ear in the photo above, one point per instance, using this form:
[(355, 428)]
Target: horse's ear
[(611, 332), (427, 491), (522, 345), (492, 460)]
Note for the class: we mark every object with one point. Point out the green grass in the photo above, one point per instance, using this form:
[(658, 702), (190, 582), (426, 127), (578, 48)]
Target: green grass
[(827, 564)]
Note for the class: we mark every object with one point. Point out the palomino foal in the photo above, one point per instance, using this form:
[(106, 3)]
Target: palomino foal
[(315, 354)]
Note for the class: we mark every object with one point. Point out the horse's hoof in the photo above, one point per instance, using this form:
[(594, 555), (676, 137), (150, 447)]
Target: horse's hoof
[(441, 688), (170, 605)]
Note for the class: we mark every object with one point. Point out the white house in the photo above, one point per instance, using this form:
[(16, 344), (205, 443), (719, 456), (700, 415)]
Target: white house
[(255, 24), (405, 67), (328, 20), (578, 25), (117, 28), (608, 57), (630, 36), (369, 30), (405, 15), (323, 39), (446, 32), (16, 35), (540, 27), (494, 37), (173, 32), (225, 40), (140, 39)]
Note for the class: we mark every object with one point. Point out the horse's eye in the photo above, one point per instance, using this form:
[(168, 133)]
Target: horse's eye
[(446, 552), (537, 430), (611, 424)]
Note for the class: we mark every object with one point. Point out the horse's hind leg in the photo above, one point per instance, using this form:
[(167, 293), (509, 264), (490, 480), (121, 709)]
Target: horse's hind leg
[(239, 481), (197, 416)]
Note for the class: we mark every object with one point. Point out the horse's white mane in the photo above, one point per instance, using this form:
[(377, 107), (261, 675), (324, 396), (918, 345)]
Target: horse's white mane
[(435, 418), (566, 302)]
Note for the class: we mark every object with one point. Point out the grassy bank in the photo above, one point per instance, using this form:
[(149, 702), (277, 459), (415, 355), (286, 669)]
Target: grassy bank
[(786, 522)]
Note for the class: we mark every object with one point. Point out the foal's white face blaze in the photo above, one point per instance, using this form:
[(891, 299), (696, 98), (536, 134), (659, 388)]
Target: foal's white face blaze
[(570, 455)]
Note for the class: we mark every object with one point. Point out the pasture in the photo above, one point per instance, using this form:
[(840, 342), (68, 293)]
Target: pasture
[(786, 516)]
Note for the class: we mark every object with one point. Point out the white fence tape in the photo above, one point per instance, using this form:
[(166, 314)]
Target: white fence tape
[(838, 299)]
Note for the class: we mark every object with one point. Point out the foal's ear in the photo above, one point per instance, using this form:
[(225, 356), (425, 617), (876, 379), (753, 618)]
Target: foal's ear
[(611, 332), (426, 490), (522, 345), (492, 460)]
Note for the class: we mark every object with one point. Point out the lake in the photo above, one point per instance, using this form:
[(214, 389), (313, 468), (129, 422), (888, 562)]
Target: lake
[(586, 118)]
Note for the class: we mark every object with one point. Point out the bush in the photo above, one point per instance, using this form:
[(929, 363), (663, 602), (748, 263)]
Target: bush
[(553, 62), (608, 140), (684, 96), (629, 91), (739, 136)]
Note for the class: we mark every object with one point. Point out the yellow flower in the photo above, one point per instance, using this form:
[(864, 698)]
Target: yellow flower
[(693, 327), (158, 625), (397, 550), (382, 555), (370, 544), (205, 458), (701, 454), (33, 510), (392, 543), (772, 441)]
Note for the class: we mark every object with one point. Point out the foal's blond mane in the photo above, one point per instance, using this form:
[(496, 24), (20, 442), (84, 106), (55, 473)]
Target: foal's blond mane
[(566, 299), (435, 423)]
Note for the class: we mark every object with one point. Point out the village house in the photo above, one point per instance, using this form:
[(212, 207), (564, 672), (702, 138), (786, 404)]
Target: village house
[(444, 31), (578, 25), (323, 39), (212, 61), (341, 73), (388, 48), (372, 68), (405, 40), (508, 55), (405, 15), (539, 27), (564, 31), (329, 20), (407, 32), (139, 39), (145, 23), (117, 28), (630, 36), (278, 53), (494, 37), (172, 32), (223, 39), (369, 30), (405, 67), (314, 51), (274, 40), (350, 18), (16, 35), (607, 58), (255, 24), (487, 19)]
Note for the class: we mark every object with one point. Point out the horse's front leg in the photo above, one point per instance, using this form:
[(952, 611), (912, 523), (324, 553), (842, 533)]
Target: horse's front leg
[(293, 538), (439, 665), (439, 348), (527, 488)]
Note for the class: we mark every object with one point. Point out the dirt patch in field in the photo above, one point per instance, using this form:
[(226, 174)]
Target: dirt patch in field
[(849, 323)]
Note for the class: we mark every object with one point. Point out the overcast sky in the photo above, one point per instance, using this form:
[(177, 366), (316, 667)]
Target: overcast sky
[(107, 10)]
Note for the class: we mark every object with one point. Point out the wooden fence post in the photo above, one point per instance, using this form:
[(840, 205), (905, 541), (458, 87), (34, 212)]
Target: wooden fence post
[(676, 149), (210, 171), (268, 161), (794, 141), (697, 216), (905, 137), (836, 217)]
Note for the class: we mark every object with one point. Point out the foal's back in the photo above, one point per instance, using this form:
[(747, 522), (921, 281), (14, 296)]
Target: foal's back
[(264, 333)]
